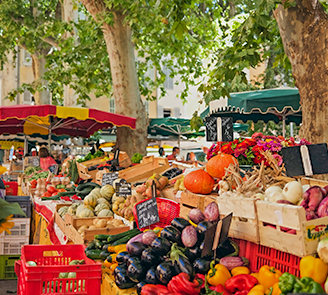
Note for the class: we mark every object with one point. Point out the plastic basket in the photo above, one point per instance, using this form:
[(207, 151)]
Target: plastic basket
[(259, 255), (11, 188), (51, 261), (12, 245), (7, 266), (24, 202), (167, 211), (20, 229)]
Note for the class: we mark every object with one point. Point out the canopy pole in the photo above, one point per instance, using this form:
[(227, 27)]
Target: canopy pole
[(291, 129), (284, 125), (25, 145)]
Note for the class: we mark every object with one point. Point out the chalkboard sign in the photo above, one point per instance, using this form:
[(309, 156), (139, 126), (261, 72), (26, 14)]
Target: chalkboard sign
[(54, 169), (219, 129), (31, 161), (147, 213), (123, 188), (305, 160), (108, 178)]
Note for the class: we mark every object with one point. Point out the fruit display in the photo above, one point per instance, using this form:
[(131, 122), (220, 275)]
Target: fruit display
[(90, 156)]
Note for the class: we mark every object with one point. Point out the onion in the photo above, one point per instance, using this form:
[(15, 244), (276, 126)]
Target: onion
[(212, 212), (196, 215), (293, 191), (189, 236), (148, 237)]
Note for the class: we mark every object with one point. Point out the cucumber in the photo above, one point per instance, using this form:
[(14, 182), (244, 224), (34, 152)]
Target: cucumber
[(88, 184), (91, 245), (123, 240), (93, 254), (130, 233), (99, 244)]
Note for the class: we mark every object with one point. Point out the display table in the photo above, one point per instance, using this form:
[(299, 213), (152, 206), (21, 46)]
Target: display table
[(108, 286)]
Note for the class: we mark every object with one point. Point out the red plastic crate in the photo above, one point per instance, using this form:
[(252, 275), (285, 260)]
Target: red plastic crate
[(43, 278), (11, 188), (167, 211), (259, 255)]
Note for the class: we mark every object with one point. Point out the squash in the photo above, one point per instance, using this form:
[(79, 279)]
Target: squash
[(199, 182), (107, 191), (85, 213), (79, 209), (96, 192), (105, 213), (102, 201), (216, 165), (90, 200), (72, 208), (62, 211), (100, 207)]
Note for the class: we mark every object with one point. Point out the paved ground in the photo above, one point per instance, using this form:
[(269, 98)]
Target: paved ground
[(8, 287)]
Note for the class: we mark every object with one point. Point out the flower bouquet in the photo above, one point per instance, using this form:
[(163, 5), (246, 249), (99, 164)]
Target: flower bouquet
[(248, 150)]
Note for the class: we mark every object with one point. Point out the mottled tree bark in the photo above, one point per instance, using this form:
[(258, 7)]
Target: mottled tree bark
[(124, 76), (39, 69), (304, 32)]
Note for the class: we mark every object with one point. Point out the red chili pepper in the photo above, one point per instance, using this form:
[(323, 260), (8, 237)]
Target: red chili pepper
[(242, 282), (75, 197), (65, 198), (149, 289), (181, 284)]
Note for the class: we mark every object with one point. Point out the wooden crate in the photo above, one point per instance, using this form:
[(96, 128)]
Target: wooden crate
[(77, 222), (244, 224), (58, 220), (84, 173), (99, 175), (142, 172), (89, 234), (278, 216), (313, 182)]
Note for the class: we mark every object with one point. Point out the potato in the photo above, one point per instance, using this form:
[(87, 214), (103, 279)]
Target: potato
[(115, 207), (95, 221), (121, 206), (110, 221), (133, 199), (139, 197), (110, 226), (121, 225), (101, 223), (92, 227), (121, 199), (117, 222), (82, 229)]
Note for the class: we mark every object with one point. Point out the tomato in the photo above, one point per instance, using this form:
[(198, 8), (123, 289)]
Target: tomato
[(46, 194), (54, 194), (61, 190), (33, 182), (51, 189), (33, 185)]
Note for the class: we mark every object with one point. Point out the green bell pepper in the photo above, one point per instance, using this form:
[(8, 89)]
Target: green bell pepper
[(286, 283), (307, 285)]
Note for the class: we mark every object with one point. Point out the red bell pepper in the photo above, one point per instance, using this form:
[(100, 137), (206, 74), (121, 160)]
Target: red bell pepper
[(46, 194), (181, 284), (220, 289), (200, 279), (240, 283), (51, 189), (149, 289), (75, 197), (65, 198)]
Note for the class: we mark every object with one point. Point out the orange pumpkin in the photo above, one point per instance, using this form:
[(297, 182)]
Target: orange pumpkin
[(199, 182), (216, 165)]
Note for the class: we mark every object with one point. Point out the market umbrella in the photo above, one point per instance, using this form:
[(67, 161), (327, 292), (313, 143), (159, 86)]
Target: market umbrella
[(281, 104), (48, 119)]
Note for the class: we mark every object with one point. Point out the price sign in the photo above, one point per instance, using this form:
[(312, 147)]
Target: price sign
[(147, 211), (31, 161), (108, 178), (54, 169), (219, 129), (123, 188)]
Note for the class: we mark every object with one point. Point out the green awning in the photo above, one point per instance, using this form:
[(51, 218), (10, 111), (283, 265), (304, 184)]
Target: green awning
[(267, 105)]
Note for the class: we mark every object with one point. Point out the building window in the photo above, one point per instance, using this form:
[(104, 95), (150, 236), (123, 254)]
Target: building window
[(146, 104), (111, 105), (27, 58), (27, 97), (168, 84), (167, 113)]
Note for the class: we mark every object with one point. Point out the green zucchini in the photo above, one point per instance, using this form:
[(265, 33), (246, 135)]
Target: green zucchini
[(101, 237), (130, 233), (93, 254), (91, 245), (105, 247), (104, 254), (87, 184), (99, 244)]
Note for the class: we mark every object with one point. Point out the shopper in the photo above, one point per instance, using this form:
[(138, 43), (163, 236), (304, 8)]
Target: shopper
[(161, 152), (46, 160), (175, 153)]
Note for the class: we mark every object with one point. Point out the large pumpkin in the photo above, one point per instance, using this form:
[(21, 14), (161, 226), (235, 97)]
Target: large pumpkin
[(216, 165), (199, 182)]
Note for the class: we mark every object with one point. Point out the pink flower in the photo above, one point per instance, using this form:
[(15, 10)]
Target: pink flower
[(240, 151), (278, 158)]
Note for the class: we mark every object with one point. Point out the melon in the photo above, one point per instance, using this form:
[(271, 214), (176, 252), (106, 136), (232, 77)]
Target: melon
[(101, 207), (105, 213), (90, 200), (107, 191), (72, 208), (102, 201), (85, 213), (96, 192), (62, 211)]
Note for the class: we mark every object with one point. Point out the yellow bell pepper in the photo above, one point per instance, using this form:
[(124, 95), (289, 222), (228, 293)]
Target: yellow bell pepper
[(107, 263), (117, 249), (257, 290), (240, 270), (268, 276), (275, 289), (255, 275), (314, 268), (218, 274), (113, 266)]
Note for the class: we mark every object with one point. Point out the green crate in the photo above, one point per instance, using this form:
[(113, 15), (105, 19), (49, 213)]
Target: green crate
[(7, 266)]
